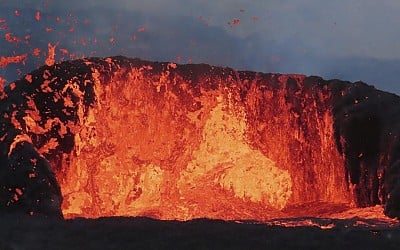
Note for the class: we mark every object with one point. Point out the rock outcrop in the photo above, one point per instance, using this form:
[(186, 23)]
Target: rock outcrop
[(118, 136)]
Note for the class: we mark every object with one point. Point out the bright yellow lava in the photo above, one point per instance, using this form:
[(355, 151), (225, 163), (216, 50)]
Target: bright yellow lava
[(225, 157)]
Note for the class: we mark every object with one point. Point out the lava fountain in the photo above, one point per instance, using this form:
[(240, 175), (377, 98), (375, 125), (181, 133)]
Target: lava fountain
[(125, 137)]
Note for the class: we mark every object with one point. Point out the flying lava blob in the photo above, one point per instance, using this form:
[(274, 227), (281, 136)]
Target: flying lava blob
[(125, 137)]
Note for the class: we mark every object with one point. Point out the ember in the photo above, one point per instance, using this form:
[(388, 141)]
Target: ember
[(51, 54), (4, 61)]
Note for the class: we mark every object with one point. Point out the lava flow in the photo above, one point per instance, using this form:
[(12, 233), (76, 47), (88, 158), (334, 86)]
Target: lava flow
[(126, 137)]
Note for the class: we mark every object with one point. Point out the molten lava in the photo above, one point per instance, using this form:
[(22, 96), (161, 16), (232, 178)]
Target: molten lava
[(127, 137), (161, 153), (154, 145), (4, 61)]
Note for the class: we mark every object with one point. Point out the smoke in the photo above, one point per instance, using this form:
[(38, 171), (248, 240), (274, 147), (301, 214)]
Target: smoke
[(334, 40)]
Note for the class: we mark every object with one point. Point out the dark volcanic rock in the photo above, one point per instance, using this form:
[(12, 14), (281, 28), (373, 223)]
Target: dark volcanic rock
[(27, 179), (367, 133), (144, 233), (45, 116)]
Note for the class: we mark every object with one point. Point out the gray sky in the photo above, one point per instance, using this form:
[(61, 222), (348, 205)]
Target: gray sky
[(345, 39)]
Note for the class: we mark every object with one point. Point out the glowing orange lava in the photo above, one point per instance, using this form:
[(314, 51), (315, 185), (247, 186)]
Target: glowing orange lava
[(4, 61), (51, 54), (2, 82), (11, 39), (153, 146), (38, 16)]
